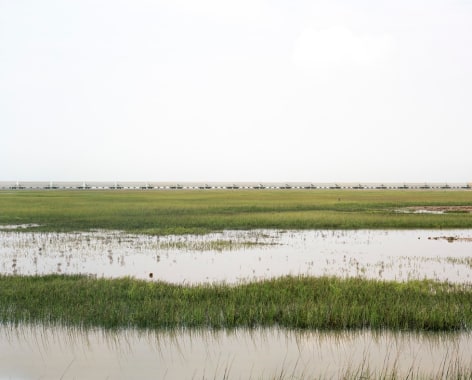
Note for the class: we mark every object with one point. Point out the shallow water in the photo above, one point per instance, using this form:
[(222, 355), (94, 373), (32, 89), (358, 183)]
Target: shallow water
[(233, 256), (33, 352)]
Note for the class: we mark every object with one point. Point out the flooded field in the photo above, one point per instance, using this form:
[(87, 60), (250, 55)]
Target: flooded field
[(32, 352), (235, 256)]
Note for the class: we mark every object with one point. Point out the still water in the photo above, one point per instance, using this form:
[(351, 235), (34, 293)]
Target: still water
[(235, 256), (38, 352)]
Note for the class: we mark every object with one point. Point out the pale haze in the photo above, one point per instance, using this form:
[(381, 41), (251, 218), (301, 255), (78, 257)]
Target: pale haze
[(247, 90)]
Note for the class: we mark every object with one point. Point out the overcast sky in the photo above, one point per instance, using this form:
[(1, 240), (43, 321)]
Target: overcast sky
[(243, 90)]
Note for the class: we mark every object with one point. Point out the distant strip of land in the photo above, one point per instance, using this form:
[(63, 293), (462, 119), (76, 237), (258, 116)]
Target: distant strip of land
[(191, 211), (54, 185)]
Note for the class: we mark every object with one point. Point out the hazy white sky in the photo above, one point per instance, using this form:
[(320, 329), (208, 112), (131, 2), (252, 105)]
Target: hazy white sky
[(253, 90)]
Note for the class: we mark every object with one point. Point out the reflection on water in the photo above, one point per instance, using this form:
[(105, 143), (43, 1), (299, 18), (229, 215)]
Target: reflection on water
[(234, 256), (32, 352)]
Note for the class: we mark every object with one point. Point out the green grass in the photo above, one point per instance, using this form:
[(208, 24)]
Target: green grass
[(289, 302), (164, 212), (322, 303)]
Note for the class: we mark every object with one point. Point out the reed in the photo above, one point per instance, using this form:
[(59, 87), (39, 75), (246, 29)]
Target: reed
[(289, 302)]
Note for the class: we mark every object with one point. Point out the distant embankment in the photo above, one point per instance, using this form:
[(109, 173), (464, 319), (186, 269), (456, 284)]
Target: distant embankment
[(51, 185)]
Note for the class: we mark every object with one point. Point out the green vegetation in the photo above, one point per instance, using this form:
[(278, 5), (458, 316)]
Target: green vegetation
[(290, 302), (175, 212)]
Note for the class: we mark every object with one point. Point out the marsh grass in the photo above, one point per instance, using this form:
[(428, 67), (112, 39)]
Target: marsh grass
[(178, 212), (218, 245), (467, 261), (289, 302)]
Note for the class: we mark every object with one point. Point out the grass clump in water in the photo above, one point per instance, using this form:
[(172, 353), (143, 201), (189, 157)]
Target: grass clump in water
[(290, 302)]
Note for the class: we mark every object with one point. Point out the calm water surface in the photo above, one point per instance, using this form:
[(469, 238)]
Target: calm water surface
[(33, 352), (234, 256), (38, 352)]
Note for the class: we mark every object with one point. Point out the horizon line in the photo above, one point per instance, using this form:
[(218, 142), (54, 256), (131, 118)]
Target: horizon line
[(193, 185)]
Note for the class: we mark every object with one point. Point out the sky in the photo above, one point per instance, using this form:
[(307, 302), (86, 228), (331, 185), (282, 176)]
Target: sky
[(243, 90)]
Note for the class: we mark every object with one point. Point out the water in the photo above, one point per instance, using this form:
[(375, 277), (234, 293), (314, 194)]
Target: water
[(33, 352), (39, 351), (235, 256)]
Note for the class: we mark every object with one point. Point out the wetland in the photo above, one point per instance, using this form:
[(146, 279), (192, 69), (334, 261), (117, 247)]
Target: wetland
[(236, 284)]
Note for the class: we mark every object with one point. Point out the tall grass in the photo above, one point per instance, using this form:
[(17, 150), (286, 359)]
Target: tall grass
[(165, 212), (291, 302)]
